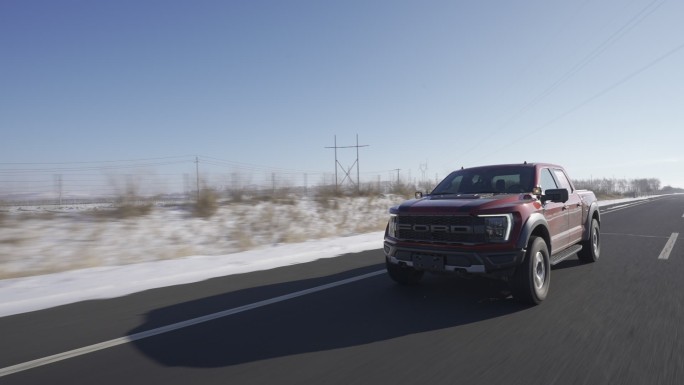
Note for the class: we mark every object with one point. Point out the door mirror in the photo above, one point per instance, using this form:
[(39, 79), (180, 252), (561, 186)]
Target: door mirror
[(419, 194), (560, 195)]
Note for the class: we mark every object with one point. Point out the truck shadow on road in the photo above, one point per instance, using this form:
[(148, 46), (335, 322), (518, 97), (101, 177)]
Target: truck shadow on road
[(364, 312)]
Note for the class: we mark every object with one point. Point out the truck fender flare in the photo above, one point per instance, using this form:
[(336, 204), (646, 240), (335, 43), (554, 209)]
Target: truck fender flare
[(535, 220), (593, 211)]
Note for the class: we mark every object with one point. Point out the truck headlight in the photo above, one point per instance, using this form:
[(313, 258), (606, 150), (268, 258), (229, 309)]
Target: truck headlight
[(392, 226), (497, 227)]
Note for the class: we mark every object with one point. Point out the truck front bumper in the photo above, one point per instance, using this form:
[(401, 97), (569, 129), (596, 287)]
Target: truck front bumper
[(452, 259)]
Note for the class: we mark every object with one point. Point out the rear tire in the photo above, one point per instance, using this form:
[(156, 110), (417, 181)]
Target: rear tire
[(403, 275), (591, 248), (531, 280)]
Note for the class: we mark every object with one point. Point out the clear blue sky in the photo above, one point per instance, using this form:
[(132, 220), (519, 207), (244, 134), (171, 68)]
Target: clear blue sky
[(597, 86)]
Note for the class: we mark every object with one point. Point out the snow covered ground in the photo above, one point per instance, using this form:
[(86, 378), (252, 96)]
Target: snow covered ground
[(41, 240), (54, 256), (57, 255)]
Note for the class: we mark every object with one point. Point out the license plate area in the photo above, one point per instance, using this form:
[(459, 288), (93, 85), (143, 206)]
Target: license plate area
[(428, 262)]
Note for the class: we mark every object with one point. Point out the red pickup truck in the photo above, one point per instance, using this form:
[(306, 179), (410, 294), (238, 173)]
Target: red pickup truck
[(511, 222)]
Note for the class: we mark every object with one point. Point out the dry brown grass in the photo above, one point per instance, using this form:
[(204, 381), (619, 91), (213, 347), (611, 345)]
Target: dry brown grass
[(207, 203), (132, 210), (177, 252), (41, 215), (371, 225), (236, 196), (50, 266), (16, 241), (242, 239), (234, 227), (124, 210)]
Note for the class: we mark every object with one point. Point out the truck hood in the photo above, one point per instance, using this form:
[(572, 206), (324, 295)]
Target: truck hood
[(460, 204)]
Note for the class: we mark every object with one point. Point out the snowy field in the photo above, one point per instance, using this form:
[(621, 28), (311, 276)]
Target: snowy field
[(41, 240), (51, 256)]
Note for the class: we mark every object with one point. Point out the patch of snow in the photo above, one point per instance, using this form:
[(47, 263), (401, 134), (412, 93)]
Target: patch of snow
[(51, 256), (20, 295), (610, 202)]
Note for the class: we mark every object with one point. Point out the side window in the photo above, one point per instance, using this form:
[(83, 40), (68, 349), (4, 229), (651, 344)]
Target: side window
[(562, 179), (547, 181)]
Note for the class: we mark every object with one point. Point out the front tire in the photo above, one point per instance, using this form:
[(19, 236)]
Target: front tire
[(532, 278), (591, 248), (403, 275)]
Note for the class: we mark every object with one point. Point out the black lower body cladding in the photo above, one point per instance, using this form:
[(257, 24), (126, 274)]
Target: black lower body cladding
[(455, 259)]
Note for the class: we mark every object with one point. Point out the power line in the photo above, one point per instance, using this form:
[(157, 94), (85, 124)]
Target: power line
[(141, 163), (603, 47), (634, 21), (595, 96), (540, 53), (98, 161), (90, 168), (251, 166)]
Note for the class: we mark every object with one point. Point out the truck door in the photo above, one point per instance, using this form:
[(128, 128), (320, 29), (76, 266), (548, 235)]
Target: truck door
[(573, 207), (555, 213)]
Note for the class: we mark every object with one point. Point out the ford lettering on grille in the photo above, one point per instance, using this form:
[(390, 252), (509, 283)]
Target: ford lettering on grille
[(435, 228), (440, 229)]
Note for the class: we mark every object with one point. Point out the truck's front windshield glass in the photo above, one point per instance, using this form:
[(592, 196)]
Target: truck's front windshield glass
[(488, 180)]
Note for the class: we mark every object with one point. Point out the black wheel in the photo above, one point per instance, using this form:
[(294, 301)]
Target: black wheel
[(532, 278), (403, 275), (591, 248)]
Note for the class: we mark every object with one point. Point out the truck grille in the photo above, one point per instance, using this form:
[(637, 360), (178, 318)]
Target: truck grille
[(441, 229)]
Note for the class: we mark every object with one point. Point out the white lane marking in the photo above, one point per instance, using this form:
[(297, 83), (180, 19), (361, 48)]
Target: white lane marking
[(665, 254), (613, 209), (168, 328), (635, 235), (620, 206)]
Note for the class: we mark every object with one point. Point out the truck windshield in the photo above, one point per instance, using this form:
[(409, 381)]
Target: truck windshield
[(488, 180)]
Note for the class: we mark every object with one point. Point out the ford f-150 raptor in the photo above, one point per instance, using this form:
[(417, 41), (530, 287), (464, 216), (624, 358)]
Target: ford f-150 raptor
[(506, 221)]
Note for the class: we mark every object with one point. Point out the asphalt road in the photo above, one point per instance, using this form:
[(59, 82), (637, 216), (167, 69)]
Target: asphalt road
[(618, 321)]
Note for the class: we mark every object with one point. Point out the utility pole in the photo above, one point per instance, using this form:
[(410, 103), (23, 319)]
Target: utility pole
[(273, 182), (197, 173), (347, 171), (423, 170), (58, 184), (335, 141), (306, 184), (358, 174)]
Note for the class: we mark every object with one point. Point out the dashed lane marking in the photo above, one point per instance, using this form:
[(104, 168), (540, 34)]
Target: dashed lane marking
[(636, 235), (612, 209), (665, 254)]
